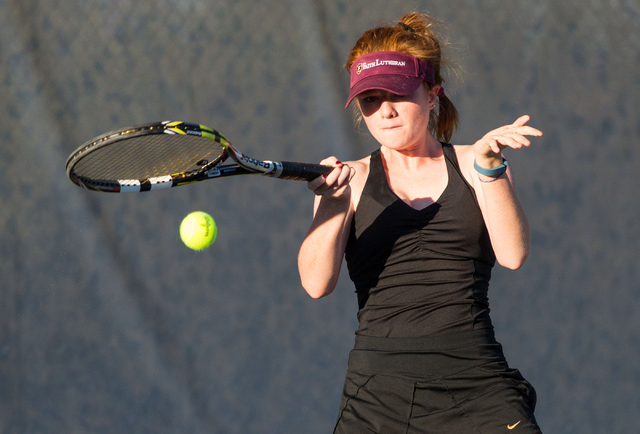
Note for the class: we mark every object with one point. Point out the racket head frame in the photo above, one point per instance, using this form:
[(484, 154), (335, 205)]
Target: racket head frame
[(208, 169), (245, 165)]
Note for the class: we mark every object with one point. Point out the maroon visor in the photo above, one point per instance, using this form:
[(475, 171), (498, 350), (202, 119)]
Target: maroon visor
[(393, 71)]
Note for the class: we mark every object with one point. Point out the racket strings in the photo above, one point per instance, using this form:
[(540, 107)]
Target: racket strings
[(149, 156)]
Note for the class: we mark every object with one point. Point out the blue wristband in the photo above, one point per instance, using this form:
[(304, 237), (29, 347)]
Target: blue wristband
[(494, 171)]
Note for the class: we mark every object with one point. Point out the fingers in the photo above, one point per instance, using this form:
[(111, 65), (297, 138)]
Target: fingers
[(496, 143), (520, 127), (336, 183), (320, 180), (522, 120), (524, 130), (509, 136), (519, 124), (514, 140), (315, 183), (330, 161), (493, 145)]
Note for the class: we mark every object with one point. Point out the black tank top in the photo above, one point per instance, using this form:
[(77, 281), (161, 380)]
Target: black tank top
[(422, 272)]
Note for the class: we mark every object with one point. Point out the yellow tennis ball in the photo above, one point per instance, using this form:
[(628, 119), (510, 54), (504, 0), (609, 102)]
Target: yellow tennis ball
[(198, 230)]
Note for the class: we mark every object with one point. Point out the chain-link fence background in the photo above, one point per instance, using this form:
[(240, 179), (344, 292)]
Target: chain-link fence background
[(109, 324)]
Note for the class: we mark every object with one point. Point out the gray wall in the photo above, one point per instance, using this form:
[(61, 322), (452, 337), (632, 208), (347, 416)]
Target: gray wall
[(109, 324)]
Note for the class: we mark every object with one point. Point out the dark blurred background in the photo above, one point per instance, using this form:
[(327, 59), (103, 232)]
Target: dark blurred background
[(108, 323)]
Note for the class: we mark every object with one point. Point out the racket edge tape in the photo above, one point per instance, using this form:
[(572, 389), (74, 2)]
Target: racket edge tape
[(245, 165)]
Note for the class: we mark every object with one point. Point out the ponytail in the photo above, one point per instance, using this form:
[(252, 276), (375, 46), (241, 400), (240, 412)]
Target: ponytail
[(446, 121)]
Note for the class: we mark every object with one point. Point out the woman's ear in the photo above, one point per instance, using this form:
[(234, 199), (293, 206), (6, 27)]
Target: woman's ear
[(432, 95)]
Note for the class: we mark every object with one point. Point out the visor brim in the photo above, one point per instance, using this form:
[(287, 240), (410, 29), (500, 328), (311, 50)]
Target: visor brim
[(397, 84)]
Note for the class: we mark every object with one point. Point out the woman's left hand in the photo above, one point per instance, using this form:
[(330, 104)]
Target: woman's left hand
[(488, 150)]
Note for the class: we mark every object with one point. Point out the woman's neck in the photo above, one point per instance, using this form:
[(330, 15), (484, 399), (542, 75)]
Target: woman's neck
[(413, 157)]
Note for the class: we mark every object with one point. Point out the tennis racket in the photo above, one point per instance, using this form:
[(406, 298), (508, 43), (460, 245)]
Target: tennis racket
[(168, 154)]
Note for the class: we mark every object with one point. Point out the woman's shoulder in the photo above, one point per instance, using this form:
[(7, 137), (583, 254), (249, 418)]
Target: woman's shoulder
[(362, 163), (362, 170), (465, 156), (359, 178)]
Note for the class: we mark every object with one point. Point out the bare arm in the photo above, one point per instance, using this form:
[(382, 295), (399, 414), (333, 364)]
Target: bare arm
[(321, 253), (503, 215)]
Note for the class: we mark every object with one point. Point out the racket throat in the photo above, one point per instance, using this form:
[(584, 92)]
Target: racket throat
[(259, 166), (276, 169)]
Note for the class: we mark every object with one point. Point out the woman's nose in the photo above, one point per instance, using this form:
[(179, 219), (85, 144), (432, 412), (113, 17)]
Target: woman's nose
[(387, 110)]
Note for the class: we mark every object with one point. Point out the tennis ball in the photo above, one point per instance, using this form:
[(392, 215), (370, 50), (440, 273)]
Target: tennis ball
[(198, 230)]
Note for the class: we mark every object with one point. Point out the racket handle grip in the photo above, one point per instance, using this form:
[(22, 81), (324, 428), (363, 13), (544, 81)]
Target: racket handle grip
[(299, 171)]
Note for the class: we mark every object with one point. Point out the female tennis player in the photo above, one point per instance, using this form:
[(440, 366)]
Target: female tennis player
[(421, 223)]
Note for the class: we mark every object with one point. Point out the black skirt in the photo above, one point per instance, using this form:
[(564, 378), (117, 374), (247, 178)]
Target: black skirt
[(454, 384)]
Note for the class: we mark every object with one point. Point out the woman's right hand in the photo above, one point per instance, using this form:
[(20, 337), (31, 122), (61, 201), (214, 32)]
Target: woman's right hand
[(334, 185)]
